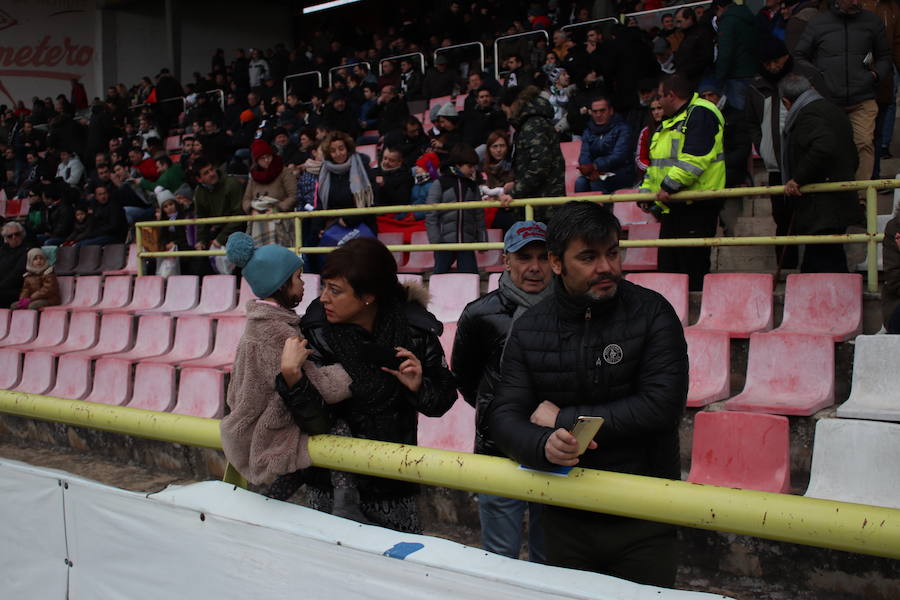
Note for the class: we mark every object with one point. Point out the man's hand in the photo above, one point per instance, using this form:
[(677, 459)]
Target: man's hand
[(663, 196), (792, 189), (199, 246), (505, 200), (508, 187), (379, 180), (545, 414), (215, 245), (562, 448)]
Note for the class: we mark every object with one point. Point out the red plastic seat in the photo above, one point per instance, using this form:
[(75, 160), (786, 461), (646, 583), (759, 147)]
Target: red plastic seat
[(116, 335), (217, 295), (709, 357), (154, 387), (87, 293), (10, 368), (240, 310), (173, 144), (311, 286), (51, 331), (73, 378), (453, 431), (4, 322), (628, 213), (38, 373), (491, 258), (370, 150), (154, 338), (493, 281), (672, 286), (570, 152), (739, 303), (228, 334), (823, 303), (201, 393), (182, 292), (116, 294), (787, 374), (193, 339), (23, 327), (394, 239), (130, 265), (642, 259), (148, 293), (66, 289), (450, 293), (83, 330), (418, 262), (112, 382), (742, 450)]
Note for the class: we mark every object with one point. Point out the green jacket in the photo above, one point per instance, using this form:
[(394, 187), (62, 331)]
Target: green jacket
[(538, 164), (738, 44), (223, 200), (171, 179)]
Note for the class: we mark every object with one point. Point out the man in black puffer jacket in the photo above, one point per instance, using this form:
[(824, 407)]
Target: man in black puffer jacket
[(600, 346)]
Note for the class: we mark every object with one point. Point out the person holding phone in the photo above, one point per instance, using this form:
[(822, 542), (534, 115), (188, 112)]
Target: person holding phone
[(599, 346), (379, 331)]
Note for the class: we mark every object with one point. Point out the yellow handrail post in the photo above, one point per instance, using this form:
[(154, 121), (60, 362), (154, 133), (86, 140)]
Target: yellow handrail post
[(529, 212), (298, 235), (138, 248), (872, 244)]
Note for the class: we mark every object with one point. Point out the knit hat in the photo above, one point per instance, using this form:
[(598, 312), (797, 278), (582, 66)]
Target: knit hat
[(247, 116), (430, 162), (29, 262), (265, 268), (555, 73), (259, 148), (163, 195), (186, 191), (709, 86), (448, 110)]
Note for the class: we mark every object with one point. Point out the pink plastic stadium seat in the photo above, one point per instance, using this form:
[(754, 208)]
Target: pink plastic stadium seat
[(116, 335), (491, 258), (87, 293), (73, 378), (193, 339), (154, 338), (38, 373), (51, 331), (173, 144), (228, 335), (83, 330), (394, 239), (672, 286), (182, 292), (570, 152), (370, 150), (148, 293), (642, 259), (240, 310), (823, 303), (743, 450), (628, 213), (311, 287), (450, 293), (739, 303), (453, 431), (130, 265), (10, 368), (216, 295), (23, 326), (787, 374), (66, 289), (493, 281), (709, 357), (201, 393), (410, 278), (418, 261), (116, 294), (112, 382), (154, 387), (4, 322), (447, 338)]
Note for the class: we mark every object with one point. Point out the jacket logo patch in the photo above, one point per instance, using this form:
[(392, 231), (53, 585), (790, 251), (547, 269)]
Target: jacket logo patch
[(612, 354)]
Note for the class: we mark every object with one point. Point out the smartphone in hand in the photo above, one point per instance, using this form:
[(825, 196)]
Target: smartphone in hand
[(584, 431)]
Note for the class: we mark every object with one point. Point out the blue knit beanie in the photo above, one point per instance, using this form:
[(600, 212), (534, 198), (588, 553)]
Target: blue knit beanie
[(265, 268)]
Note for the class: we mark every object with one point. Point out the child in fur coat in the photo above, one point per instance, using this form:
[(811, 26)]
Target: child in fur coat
[(40, 287)]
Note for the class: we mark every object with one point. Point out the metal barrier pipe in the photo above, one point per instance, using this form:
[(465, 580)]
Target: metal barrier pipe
[(872, 246), (221, 95), (284, 82), (573, 26), (139, 247), (796, 519), (347, 67), (509, 37), (398, 57), (466, 45), (664, 10)]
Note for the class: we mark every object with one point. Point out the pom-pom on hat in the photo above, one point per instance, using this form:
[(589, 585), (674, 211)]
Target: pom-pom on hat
[(163, 195), (265, 268)]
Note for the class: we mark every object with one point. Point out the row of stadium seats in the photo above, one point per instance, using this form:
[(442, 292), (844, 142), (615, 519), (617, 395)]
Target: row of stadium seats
[(94, 260)]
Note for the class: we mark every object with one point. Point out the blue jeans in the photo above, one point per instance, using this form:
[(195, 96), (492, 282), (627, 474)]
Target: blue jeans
[(736, 90), (100, 240), (607, 186), (501, 526), (465, 261), (133, 214)]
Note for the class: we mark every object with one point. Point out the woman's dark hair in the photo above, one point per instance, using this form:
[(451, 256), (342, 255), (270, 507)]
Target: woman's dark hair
[(368, 266), (590, 222), (337, 136), (463, 154), (498, 134)]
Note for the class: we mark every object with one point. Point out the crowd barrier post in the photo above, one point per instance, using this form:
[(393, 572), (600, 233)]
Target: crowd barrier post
[(502, 38), (872, 244), (466, 45), (574, 26), (284, 82), (139, 247), (420, 56), (221, 96)]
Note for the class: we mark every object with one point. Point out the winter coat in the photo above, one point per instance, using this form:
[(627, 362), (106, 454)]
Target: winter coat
[(41, 287), (537, 159), (390, 115), (437, 84), (889, 13), (223, 200), (71, 172), (60, 220), (12, 267), (890, 294), (396, 189), (610, 148), (259, 435), (283, 188), (106, 219), (695, 53), (623, 359), (171, 179), (821, 149), (477, 124), (454, 226), (835, 44), (738, 38)]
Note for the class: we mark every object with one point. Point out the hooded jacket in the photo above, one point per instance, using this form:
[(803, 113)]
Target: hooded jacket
[(537, 159), (738, 37), (610, 148), (454, 226)]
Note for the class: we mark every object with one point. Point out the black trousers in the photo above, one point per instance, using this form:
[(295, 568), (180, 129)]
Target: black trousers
[(640, 551), (783, 215), (696, 220), (824, 258)]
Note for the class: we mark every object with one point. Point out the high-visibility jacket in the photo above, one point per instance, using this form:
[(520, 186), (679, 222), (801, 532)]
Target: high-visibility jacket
[(680, 171)]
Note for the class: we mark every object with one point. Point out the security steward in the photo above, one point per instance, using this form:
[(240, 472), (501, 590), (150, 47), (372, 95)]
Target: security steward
[(686, 153)]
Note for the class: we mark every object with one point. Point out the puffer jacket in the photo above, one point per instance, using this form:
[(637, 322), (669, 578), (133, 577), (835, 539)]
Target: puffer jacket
[(480, 336), (738, 37), (610, 148), (835, 44), (624, 360), (454, 226), (41, 287), (537, 160)]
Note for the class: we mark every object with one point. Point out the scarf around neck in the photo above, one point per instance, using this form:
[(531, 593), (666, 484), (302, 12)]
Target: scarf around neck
[(522, 299), (312, 166), (268, 175), (360, 186)]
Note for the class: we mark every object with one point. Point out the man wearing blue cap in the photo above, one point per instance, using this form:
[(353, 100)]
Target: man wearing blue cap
[(480, 338)]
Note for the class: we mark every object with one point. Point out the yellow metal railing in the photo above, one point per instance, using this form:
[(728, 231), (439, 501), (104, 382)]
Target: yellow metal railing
[(870, 238), (839, 525)]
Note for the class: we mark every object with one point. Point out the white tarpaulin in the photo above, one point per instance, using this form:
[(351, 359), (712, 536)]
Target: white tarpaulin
[(211, 540)]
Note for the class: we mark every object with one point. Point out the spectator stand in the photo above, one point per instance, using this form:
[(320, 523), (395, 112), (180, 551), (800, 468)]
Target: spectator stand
[(506, 38)]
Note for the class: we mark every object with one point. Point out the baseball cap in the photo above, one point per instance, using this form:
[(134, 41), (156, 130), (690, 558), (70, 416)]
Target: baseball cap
[(523, 233)]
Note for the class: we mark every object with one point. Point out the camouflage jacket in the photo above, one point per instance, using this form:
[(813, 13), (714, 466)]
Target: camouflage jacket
[(537, 159)]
